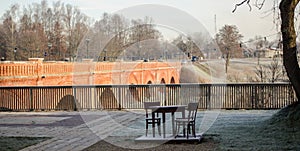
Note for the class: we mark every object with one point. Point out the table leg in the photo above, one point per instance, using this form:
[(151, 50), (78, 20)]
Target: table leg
[(153, 124), (184, 124), (173, 121), (164, 124)]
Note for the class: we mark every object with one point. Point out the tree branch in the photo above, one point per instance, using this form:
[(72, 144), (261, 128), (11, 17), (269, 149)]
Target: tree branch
[(259, 5), (239, 4)]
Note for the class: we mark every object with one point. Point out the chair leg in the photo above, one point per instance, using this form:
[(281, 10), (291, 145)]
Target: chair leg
[(188, 131), (177, 129), (194, 126), (159, 128), (184, 129), (189, 128), (146, 129)]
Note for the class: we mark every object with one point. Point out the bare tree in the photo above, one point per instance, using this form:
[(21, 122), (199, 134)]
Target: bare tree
[(108, 35), (260, 71), (190, 46), (118, 35), (10, 20), (229, 40), (275, 70), (180, 42), (40, 30), (287, 9), (269, 73), (76, 27), (287, 16)]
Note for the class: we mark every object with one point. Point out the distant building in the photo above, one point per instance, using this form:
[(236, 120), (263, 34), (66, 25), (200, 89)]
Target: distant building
[(248, 52), (268, 53)]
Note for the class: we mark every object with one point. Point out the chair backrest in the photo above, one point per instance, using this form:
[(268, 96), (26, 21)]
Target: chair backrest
[(192, 109), (148, 104)]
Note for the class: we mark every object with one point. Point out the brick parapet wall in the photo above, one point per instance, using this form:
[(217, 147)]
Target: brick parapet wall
[(37, 72)]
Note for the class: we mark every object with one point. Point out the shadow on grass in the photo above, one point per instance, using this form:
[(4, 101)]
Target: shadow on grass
[(17, 143), (207, 144)]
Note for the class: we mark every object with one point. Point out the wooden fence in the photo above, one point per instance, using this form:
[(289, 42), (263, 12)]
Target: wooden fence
[(209, 96)]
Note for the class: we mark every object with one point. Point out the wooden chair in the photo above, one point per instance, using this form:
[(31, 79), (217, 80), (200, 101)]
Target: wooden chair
[(157, 119), (188, 122)]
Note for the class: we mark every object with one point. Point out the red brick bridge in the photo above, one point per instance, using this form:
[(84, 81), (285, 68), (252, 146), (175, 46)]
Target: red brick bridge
[(39, 73)]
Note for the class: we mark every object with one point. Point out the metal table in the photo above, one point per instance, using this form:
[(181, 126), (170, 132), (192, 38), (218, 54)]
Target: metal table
[(166, 109)]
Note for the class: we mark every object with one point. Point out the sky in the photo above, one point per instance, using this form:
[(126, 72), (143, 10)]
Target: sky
[(212, 14)]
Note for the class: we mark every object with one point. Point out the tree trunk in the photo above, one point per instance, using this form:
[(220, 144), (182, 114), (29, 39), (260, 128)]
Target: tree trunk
[(287, 9)]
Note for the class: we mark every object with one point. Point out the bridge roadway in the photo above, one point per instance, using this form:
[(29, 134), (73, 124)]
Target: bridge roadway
[(39, 73)]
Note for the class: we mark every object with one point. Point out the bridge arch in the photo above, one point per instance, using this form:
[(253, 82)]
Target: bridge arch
[(163, 81), (174, 76), (133, 78), (147, 76), (142, 73), (161, 77), (172, 81)]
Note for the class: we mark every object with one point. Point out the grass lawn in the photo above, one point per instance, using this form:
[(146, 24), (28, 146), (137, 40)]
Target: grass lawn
[(17, 143), (232, 130), (254, 132)]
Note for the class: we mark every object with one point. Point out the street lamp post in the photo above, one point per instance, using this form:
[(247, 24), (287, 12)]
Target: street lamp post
[(87, 47), (166, 54), (139, 51), (123, 56), (15, 53), (105, 51), (36, 53), (49, 48), (258, 57)]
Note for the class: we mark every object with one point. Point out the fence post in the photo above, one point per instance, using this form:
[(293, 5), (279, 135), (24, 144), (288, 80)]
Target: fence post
[(31, 99), (120, 98), (253, 96), (93, 97), (75, 99), (208, 101), (256, 97), (165, 95)]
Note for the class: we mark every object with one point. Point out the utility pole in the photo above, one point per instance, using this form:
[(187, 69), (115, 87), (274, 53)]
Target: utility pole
[(87, 47), (215, 24)]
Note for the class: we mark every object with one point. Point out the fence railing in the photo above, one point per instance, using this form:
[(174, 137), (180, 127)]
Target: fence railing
[(209, 96)]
